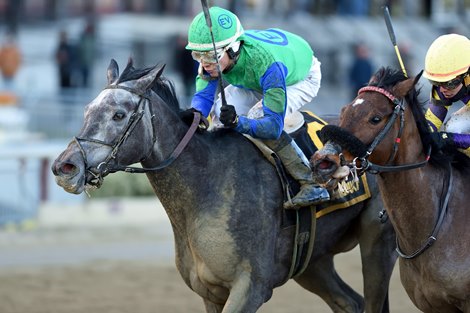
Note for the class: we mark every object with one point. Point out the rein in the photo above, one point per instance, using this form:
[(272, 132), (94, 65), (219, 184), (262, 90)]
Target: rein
[(398, 111), (433, 237), (104, 167)]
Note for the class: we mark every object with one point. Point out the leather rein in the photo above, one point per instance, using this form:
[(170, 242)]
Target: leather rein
[(105, 168), (366, 165)]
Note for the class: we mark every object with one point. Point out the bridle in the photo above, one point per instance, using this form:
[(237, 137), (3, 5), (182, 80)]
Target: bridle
[(368, 166), (398, 111), (104, 168)]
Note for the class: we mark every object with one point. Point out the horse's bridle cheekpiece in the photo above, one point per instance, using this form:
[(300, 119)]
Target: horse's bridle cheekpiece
[(399, 110), (105, 168)]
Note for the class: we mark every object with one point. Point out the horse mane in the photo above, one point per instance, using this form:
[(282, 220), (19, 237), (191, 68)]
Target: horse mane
[(386, 78), (162, 86)]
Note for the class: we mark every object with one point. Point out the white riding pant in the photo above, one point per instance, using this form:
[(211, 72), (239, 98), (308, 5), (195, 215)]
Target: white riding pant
[(298, 95), (459, 122)]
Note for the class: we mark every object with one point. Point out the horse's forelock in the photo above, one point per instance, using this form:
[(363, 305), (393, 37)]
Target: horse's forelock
[(387, 77)]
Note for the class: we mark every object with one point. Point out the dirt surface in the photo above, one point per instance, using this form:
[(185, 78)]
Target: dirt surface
[(101, 280)]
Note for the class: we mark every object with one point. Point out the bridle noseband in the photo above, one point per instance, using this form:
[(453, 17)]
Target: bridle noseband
[(398, 111), (104, 168)]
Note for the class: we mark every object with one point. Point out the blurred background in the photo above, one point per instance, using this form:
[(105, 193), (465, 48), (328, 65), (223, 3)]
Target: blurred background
[(55, 55), (53, 61)]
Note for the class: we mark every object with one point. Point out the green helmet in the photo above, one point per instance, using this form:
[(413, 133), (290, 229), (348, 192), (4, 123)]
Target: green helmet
[(225, 26)]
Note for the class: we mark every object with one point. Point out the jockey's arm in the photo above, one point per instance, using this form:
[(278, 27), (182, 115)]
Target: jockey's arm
[(270, 126), (203, 99), (437, 110), (436, 114), (462, 141)]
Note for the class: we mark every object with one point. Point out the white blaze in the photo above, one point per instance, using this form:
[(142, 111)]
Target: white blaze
[(358, 101)]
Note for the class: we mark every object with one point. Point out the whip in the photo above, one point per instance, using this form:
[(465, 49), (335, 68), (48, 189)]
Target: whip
[(205, 9), (391, 33)]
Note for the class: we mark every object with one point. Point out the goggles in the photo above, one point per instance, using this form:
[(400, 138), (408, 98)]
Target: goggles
[(449, 85), (207, 56)]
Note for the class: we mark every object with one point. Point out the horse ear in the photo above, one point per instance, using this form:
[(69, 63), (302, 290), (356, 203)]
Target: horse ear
[(148, 80), (129, 66), (130, 62), (113, 71), (403, 88), (417, 77)]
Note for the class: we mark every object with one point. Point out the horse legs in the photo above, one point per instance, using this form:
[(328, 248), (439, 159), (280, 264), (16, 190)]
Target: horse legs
[(378, 256), (244, 297), (212, 307), (321, 278)]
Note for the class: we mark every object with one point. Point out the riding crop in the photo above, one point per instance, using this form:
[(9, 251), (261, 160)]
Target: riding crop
[(207, 15), (388, 22)]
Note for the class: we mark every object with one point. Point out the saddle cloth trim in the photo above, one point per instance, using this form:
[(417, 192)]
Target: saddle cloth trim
[(348, 203)]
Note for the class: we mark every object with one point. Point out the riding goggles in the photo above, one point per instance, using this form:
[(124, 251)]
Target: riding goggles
[(449, 85), (207, 56)]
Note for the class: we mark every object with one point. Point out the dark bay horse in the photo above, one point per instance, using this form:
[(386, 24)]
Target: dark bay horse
[(224, 201), (383, 130)]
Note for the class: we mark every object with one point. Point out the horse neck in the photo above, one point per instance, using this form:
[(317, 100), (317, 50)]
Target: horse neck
[(410, 196), (174, 182)]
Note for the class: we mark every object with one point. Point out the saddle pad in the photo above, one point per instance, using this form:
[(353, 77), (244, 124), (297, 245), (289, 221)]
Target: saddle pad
[(351, 192)]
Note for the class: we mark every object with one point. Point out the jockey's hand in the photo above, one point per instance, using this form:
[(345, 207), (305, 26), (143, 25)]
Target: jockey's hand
[(443, 141), (187, 116), (228, 116)]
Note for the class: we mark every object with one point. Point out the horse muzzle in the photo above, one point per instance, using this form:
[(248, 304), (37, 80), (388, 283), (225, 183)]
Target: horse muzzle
[(69, 175), (326, 166)]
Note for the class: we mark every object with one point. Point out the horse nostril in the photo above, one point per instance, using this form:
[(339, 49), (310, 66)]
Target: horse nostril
[(67, 168), (325, 164)]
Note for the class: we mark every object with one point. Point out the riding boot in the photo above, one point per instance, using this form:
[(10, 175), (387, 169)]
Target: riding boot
[(297, 166)]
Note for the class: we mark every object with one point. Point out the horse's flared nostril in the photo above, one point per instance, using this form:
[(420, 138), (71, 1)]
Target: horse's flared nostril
[(324, 164), (64, 168), (68, 168)]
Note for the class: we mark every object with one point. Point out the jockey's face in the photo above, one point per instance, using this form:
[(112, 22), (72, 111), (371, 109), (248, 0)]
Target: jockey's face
[(211, 67), (449, 93), (449, 88)]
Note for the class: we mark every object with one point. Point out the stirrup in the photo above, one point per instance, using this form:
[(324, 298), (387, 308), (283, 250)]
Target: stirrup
[(320, 197)]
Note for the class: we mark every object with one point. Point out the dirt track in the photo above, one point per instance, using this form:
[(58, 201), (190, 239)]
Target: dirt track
[(141, 284)]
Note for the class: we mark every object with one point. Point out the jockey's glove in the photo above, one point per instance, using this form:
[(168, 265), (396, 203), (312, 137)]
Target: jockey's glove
[(187, 116), (228, 116), (443, 141)]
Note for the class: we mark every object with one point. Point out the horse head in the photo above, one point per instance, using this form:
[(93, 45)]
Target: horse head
[(118, 129), (371, 129)]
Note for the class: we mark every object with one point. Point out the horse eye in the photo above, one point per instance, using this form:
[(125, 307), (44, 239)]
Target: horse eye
[(375, 120), (119, 116)]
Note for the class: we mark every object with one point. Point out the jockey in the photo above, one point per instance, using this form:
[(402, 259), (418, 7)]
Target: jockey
[(270, 72), (447, 67)]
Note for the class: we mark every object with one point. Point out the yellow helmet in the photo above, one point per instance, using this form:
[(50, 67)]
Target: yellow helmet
[(447, 57)]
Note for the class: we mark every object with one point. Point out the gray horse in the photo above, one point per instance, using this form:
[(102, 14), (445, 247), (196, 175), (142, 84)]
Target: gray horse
[(224, 201)]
